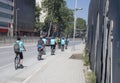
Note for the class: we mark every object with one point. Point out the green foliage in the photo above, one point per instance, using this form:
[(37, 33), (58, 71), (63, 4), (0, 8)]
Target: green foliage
[(37, 16), (86, 57), (37, 13), (91, 77), (58, 14), (53, 7), (81, 24)]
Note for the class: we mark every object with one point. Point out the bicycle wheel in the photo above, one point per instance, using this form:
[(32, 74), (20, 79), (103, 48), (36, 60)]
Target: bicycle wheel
[(39, 55), (62, 49), (52, 51), (66, 47), (17, 62)]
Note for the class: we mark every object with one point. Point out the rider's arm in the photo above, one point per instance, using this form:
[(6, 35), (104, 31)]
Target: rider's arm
[(24, 48)]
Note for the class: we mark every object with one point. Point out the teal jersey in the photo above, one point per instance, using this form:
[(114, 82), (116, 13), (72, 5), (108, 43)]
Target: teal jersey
[(52, 42), (44, 40), (62, 42), (59, 40), (21, 44), (66, 41)]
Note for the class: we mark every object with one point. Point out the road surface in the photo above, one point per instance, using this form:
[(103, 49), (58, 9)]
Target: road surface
[(8, 74)]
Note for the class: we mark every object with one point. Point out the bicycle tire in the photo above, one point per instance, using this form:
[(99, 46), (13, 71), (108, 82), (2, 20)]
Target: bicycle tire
[(39, 55), (52, 51), (17, 62)]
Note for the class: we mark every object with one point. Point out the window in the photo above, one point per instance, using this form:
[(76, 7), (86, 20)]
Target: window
[(5, 15), (10, 0), (3, 24), (3, 5)]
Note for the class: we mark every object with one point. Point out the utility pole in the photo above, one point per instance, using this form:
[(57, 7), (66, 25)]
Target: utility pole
[(74, 21), (16, 20), (76, 9)]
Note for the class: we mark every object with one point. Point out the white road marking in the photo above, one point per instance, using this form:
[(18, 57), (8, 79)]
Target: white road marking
[(33, 74), (5, 66)]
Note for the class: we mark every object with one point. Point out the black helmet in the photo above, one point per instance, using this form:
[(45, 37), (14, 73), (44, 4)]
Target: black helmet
[(18, 38)]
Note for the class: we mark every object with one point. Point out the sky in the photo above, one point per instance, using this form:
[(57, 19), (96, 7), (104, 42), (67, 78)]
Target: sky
[(80, 4)]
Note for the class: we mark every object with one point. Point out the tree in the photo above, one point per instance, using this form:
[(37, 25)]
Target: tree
[(80, 27), (81, 24), (58, 14), (66, 19), (38, 25)]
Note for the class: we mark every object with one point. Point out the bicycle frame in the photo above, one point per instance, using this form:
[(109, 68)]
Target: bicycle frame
[(17, 61), (52, 50), (40, 51)]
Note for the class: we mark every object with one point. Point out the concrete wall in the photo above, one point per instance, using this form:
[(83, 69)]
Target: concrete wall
[(104, 40)]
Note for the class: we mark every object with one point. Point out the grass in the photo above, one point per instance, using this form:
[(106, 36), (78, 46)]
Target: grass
[(91, 78), (86, 57), (90, 75)]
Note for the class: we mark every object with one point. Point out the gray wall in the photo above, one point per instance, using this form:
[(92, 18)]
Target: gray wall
[(26, 15), (104, 39)]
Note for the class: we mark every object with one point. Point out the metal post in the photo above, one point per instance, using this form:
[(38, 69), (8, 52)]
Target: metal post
[(16, 20), (75, 20), (76, 9)]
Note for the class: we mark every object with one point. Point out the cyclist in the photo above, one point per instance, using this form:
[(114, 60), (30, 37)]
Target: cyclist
[(20, 52), (44, 40), (56, 40), (66, 42), (53, 45), (59, 42), (62, 44), (40, 48)]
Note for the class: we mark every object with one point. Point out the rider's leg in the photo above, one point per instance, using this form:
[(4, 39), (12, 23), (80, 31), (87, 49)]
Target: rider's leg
[(21, 59), (51, 49), (16, 54), (54, 49)]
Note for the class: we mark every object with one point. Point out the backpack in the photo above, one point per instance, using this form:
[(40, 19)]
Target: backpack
[(40, 42), (16, 47), (39, 46)]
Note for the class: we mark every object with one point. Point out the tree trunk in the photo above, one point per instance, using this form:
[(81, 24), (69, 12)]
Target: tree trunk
[(49, 29)]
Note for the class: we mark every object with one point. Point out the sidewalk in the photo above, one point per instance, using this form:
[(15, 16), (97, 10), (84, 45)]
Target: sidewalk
[(62, 69)]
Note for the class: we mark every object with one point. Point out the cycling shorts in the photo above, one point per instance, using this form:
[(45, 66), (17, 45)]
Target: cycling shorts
[(20, 54), (53, 46)]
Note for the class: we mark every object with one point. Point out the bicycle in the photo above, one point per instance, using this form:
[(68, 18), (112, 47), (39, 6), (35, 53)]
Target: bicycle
[(17, 62), (52, 50), (40, 52), (59, 45), (62, 48), (66, 46)]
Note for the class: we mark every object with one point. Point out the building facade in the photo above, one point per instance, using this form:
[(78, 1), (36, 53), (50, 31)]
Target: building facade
[(24, 17), (6, 17)]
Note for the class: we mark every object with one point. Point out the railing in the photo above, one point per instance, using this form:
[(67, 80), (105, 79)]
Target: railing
[(8, 40)]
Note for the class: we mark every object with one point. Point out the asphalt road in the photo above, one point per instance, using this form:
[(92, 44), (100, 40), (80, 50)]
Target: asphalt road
[(8, 74)]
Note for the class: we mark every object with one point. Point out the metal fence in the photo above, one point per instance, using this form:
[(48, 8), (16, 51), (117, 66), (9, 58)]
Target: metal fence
[(8, 40)]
